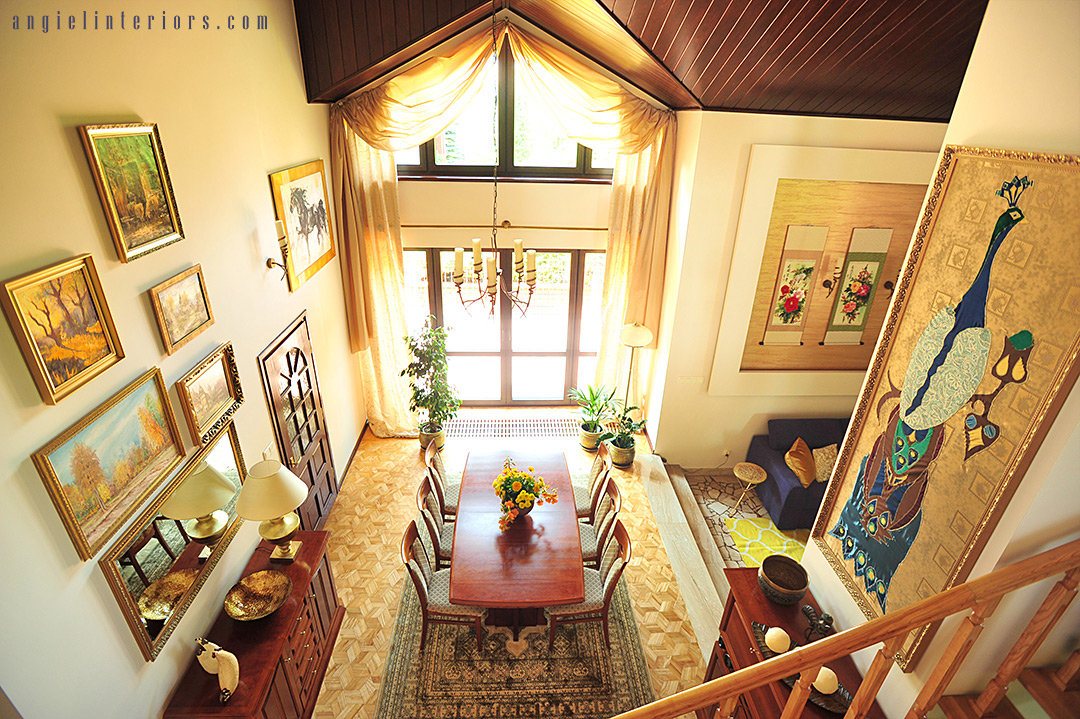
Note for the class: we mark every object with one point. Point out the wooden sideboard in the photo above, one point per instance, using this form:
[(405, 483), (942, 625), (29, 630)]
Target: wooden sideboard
[(282, 657), (736, 649)]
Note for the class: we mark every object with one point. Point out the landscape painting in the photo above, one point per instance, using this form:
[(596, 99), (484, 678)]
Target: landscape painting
[(182, 308), (62, 325), (210, 393), (129, 169), (101, 469), (301, 202)]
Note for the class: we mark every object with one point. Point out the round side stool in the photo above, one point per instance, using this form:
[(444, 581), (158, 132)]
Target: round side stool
[(750, 475)]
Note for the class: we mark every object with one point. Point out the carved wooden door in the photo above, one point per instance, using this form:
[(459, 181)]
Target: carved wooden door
[(292, 391)]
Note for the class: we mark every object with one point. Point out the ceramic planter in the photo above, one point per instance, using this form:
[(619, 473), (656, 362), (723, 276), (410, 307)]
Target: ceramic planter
[(589, 440), (438, 437), (621, 457)]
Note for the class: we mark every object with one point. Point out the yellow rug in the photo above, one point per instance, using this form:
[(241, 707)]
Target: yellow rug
[(757, 538)]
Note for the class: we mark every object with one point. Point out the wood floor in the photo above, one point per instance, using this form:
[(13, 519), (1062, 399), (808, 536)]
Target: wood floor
[(376, 503)]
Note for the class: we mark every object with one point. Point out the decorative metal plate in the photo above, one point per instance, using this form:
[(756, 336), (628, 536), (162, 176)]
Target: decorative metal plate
[(837, 702), (161, 598), (257, 595)]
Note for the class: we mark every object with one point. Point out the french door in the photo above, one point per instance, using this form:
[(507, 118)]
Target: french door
[(499, 357)]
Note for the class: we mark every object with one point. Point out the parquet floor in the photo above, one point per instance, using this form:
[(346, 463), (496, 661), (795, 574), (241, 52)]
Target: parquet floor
[(376, 503)]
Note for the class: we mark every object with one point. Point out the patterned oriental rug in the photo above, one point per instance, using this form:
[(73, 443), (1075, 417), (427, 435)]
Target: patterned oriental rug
[(578, 678)]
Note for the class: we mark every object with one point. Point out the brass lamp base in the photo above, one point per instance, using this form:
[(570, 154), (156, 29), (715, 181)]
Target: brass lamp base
[(280, 531), (208, 529)]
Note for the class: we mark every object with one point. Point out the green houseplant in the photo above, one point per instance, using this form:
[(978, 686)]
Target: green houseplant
[(597, 406), (621, 442), (432, 395)]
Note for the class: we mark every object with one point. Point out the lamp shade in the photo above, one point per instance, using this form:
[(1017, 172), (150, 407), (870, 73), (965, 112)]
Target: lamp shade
[(270, 491), (203, 492), (635, 335)]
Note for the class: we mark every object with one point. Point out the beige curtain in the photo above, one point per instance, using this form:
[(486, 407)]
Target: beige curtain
[(601, 114), (365, 129), (421, 102)]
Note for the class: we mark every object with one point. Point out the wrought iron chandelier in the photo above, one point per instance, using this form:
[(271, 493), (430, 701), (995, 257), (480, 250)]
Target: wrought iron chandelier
[(519, 284)]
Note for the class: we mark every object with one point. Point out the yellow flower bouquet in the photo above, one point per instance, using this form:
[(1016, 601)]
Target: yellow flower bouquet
[(519, 491)]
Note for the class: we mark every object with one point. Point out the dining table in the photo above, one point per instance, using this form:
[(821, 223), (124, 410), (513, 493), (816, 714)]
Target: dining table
[(535, 563)]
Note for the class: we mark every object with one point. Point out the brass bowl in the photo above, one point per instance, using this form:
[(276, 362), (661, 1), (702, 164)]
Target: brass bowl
[(159, 600), (257, 595), (782, 579)]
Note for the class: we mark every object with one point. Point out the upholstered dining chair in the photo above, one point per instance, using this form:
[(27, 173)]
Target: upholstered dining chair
[(595, 535), (441, 531), (447, 492), (433, 588), (587, 493), (599, 586)]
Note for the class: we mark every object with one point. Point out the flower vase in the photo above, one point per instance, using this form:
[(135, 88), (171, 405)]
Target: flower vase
[(512, 497)]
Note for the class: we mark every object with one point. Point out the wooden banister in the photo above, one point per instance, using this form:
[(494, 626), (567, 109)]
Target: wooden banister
[(982, 592)]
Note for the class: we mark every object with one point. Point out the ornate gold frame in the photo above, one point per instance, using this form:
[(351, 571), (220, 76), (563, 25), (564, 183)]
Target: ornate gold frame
[(151, 647), (876, 379), (299, 275), (83, 547), (159, 311), (89, 133), (16, 315), (203, 432)]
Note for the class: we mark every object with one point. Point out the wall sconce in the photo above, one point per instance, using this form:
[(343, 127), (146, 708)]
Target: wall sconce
[(269, 496), (283, 246)]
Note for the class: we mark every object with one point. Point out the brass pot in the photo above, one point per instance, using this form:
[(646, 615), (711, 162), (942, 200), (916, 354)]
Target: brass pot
[(439, 438)]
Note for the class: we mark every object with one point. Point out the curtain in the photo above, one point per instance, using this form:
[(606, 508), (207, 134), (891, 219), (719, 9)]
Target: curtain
[(421, 102)]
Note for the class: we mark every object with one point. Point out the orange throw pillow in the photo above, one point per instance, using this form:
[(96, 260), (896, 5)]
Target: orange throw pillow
[(801, 461)]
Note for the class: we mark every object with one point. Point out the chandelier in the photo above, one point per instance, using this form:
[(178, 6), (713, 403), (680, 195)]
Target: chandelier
[(519, 284)]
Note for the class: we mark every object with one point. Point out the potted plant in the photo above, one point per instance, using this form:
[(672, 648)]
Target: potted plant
[(431, 390), (621, 442), (597, 406)]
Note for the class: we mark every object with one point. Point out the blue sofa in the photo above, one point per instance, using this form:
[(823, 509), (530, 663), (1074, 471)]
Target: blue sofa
[(791, 505)]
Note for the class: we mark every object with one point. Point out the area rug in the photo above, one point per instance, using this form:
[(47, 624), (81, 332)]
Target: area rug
[(578, 678), (758, 537)]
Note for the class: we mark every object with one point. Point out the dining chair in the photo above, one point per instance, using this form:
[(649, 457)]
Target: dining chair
[(433, 588), (448, 492), (595, 535), (441, 531), (599, 586), (587, 493)]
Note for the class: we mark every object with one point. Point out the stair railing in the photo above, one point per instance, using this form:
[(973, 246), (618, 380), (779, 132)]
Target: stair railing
[(978, 596)]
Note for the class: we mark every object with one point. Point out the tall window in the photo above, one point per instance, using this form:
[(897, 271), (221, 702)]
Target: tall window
[(507, 127), (504, 358)]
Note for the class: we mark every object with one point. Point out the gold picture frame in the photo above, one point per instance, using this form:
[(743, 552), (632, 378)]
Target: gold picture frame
[(302, 204), (105, 465), (976, 356), (181, 308), (62, 325), (132, 179), (210, 394)]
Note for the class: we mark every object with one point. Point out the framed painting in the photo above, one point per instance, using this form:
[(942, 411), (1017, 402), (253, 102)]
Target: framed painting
[(302, 204), (210, 393), (181, 308), (128, 165), (105, 465), (977, 354), (62, 325)]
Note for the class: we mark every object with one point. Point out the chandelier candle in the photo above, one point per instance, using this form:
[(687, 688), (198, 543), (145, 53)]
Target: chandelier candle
[(519, 265), (477, 263), (492, 276), (459, 265)]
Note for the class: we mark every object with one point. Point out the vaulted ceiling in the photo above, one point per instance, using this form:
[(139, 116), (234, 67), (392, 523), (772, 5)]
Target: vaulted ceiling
[(896, 59)]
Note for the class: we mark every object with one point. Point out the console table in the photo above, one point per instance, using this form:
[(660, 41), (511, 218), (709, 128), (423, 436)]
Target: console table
[(282, 657), (736, 649)]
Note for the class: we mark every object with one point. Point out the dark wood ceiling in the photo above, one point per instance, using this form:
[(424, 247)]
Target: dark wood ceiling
[(897, 59)]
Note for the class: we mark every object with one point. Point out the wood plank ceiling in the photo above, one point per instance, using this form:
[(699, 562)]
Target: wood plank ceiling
[(896, 59)]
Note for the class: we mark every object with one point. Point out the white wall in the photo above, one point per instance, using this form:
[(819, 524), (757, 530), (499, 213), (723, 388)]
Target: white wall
[(691, 427), (1021, 92), (230, 107)]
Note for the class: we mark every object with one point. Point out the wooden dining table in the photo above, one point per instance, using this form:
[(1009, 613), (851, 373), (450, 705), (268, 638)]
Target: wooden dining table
[(535, 563)]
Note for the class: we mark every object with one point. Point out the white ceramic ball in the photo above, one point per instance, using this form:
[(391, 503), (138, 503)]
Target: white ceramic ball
[(777, 640), (826, 681)]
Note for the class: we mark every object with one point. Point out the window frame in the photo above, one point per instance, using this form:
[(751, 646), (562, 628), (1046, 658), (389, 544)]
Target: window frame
[(583, 171)]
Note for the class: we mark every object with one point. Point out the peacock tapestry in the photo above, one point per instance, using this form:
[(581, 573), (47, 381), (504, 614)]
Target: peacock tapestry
[(977, 354)]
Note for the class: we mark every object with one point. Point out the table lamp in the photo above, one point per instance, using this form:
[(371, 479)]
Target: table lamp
[(199, 499), (269, 496)]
